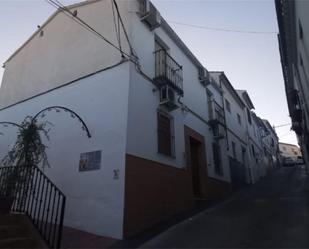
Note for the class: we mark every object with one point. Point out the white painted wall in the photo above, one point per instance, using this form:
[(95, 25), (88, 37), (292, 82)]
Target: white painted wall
[(143, 102), (64, 53), (95, 200)]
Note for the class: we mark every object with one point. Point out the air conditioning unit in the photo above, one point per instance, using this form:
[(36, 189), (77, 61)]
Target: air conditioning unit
[(168, 98), (149, 14), (203, 75), (219, 131)]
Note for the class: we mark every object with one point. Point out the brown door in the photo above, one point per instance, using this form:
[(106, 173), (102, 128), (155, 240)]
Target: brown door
[(195, 152)]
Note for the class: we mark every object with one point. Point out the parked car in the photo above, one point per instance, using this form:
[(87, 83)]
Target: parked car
[(300, 160), (288, 162)]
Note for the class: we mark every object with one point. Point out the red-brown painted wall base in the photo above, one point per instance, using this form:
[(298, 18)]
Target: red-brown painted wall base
[(217, 189), (153, 192)]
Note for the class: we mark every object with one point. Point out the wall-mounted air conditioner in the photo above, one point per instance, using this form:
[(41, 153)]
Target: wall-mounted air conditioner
[(203, 75), (219, 131), (149, 14), (168, 98)]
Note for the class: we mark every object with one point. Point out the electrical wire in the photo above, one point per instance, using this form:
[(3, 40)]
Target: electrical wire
[(117, 26), (124, 30), (223, 30), (63, 9), (283, 125)]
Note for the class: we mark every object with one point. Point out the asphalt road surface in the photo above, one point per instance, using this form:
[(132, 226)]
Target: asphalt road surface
[(273, 213)]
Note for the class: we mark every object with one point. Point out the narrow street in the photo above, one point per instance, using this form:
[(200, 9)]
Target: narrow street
[(272, 213)]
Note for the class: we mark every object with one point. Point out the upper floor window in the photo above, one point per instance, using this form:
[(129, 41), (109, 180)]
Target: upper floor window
[(300, 30), (238, 119), (272, 142), (217, 158), (228, 105), (243, 154), (234, 150), (253, 151), (166, 138), (283, 148), (249, 116), (167, 70), (301, 60)]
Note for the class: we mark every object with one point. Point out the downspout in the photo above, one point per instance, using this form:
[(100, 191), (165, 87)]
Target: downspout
[(249, 148), (223, 105)]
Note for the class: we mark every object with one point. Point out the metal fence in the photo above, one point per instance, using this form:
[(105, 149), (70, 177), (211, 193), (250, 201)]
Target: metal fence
[(168, 71), (37, 197)]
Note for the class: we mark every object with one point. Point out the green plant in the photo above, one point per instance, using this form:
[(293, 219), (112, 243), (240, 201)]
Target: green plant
[(28, 151)]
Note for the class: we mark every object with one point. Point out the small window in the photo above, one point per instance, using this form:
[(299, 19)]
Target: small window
[(234, 150), (283, 148), (239, 119), (165, 134), (217, 158), (243, 154), (272, 142), (249, 116), (209, 94), (300, 30), (228, 105), (253, 151)]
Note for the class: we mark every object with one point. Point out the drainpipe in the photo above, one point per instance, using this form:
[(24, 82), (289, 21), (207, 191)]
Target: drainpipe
[(223, 105)]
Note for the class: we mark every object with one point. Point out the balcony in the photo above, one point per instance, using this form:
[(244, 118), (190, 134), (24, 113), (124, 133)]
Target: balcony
[(168, 71), (296, 115), (293, 96), (297, 127), (216, 113)]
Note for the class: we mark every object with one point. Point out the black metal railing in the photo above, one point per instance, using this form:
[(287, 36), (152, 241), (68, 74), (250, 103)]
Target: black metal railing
[(37, 197), (216, 112), (168, 71)]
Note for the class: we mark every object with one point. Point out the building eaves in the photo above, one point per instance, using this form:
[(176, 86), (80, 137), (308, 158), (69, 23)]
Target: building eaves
[(76, 5), (246, 97), (293, 145), (266, 122), (167, 28), (229, 86)]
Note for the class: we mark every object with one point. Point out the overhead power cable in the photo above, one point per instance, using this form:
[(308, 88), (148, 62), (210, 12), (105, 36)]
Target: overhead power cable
[(82, 23), (283, 125), (223, 29)]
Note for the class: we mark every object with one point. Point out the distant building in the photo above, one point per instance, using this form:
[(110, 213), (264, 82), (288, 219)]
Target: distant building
[(290, 151)]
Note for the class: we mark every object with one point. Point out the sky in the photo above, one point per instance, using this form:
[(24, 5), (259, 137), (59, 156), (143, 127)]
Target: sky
[(251, 61)]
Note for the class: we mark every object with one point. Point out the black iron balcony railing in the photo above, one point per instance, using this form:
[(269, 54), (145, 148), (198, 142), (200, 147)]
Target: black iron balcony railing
[(168, 71), (216, 113), (37, 197)]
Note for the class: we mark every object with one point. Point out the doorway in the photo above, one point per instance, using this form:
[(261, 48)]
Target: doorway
[(195, 162)]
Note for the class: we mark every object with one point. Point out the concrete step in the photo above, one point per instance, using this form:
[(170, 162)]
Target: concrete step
[(17, 231), (12, 219), (12, 231), (19, 242)]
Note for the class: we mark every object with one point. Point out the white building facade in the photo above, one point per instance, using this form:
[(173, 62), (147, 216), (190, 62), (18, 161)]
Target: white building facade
[(155, 114)]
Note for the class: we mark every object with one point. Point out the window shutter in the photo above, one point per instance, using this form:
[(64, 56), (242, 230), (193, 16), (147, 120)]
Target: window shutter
[(217, 158), (164, 135)]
